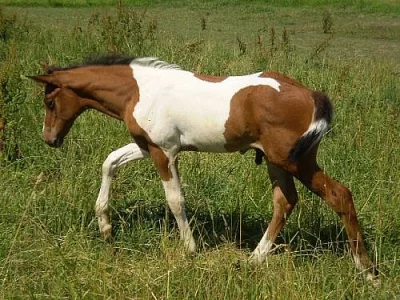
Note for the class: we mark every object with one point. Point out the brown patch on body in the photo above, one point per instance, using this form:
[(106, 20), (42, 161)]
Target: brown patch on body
[(161, 161), (282, 78), (242, 126), (103, 83), (210, 78), (275, 120)]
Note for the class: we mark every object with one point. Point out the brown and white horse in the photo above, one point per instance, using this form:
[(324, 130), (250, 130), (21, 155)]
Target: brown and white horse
[(168, 110)]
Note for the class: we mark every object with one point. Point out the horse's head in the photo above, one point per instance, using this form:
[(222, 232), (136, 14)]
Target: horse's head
[(62, 105)]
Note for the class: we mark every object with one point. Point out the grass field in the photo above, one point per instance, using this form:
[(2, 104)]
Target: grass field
[(49, 241)]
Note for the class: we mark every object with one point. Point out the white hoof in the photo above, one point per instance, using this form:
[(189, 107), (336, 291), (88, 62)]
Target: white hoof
[(106, 231)]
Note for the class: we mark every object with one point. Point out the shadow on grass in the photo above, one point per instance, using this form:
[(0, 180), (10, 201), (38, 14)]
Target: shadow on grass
[(236, 227)]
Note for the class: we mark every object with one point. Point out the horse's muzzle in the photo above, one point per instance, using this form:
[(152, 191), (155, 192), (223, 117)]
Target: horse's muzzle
[(55, 143)]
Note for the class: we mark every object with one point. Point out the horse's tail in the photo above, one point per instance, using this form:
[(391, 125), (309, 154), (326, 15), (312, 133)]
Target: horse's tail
[(319, 126)]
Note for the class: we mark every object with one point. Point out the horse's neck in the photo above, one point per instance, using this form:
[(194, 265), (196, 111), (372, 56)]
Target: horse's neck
[(114, 99), (104, 108), (106, 89)]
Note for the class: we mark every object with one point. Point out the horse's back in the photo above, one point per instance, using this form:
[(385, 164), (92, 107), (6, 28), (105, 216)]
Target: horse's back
[(179, 108)]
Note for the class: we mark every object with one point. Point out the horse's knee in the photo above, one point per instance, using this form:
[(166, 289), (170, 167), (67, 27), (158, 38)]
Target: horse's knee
[(108, 167)]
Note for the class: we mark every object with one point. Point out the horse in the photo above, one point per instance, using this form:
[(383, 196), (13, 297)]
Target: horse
[(168, 110)]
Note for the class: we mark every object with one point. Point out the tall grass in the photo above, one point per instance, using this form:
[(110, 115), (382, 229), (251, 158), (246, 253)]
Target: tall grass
[(49, 241)]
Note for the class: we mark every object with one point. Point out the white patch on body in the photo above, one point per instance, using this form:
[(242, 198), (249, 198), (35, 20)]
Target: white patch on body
[(177, 109)]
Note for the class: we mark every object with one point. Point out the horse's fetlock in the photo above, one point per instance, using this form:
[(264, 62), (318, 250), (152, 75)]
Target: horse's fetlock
[(106, 231)]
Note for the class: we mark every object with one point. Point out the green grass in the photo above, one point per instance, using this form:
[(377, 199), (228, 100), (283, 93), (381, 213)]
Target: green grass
[(49, 241), (368, 6)]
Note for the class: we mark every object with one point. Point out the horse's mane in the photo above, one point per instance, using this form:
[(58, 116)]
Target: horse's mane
[(108, 60), (117, 59), (154, 62)]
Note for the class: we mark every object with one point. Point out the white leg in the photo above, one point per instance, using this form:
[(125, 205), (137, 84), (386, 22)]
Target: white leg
[(263, 249), (115, 159), (176, 203)]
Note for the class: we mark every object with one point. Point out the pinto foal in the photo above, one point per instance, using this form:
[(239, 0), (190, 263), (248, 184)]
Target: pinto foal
[(168, 110)]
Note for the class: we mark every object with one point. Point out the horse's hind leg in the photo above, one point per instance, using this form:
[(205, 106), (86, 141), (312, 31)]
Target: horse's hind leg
[(115, 159), (285, 198), (339, 198)]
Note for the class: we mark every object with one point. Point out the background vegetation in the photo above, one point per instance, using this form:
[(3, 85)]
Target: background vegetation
[(49, 241)]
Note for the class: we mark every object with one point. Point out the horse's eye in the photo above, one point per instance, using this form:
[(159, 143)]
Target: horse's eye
[(50, 104)]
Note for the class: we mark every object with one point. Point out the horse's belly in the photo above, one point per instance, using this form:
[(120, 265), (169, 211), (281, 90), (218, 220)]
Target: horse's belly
[(206, 138)]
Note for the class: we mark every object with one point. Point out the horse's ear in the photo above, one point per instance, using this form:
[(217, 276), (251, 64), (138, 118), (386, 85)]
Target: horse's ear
[(39, 78), (45, 79)]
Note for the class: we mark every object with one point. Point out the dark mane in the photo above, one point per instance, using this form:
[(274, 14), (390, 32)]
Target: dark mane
[(108, 60), (96, 60)]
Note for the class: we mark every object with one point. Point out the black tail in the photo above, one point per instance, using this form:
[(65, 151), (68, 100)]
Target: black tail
[(323, 112)]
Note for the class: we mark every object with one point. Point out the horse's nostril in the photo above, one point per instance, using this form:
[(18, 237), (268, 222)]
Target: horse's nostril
[(59, 142)]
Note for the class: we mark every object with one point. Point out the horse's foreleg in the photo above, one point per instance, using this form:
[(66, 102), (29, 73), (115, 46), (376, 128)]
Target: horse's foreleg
[(115, 159), (167, 166), (285, 198)]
